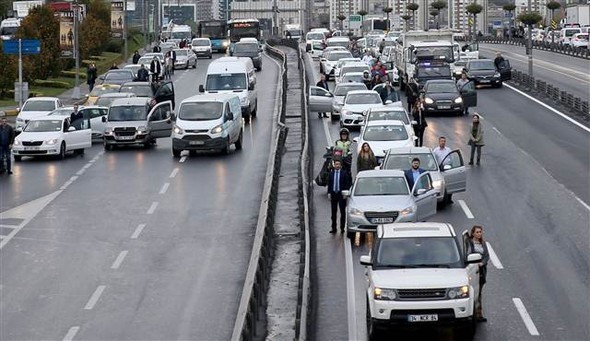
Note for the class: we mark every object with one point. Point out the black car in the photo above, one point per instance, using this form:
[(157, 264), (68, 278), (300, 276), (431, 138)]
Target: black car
[(252, 50), (484, 72), (158, 92), (442, 96), (426, 71)]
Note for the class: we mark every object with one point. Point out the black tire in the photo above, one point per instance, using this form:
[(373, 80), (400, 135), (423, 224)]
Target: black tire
[(372, 332), (500, 85), (226, 149), (80, 152), (108, 147), (62, 151), (17, 158), (239, 143), (466, 332), (350, 235), (176, 152), (210, 56)]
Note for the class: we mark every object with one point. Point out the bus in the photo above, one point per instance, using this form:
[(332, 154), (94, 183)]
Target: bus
[(243, 28), (375, 24), (216, 31), (180, 32)]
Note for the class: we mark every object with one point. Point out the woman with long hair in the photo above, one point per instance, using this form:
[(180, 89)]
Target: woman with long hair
[(421, 124), (476, 244), (366, 159)]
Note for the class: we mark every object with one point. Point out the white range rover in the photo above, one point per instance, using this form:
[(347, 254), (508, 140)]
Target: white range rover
[(418, 275)]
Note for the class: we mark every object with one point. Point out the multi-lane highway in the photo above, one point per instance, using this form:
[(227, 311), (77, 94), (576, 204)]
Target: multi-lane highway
[(531, 194), (571, 74), (133, 244)]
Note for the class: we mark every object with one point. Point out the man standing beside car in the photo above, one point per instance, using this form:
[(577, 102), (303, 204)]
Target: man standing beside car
[(6, 141), (324, 85), (413, 173), (339, 180), (440, 154)]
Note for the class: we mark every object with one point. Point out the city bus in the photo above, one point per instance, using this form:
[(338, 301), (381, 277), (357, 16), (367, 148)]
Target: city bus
[(216, 31), (375, 24), (243, 28)]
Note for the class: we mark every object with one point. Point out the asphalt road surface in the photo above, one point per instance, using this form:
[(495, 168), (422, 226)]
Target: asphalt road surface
[(530, 194), (133, 244), (571, 74)]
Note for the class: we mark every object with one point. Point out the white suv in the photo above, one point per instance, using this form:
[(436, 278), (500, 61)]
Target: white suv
[(418, 274)]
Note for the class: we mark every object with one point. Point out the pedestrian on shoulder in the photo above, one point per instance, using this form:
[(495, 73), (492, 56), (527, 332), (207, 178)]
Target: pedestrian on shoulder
[(477, 244), (366, 159), (476, 139), (323, 83), (339, 180), (136, 57), (460, 84), (91, 75), (421, 124), (6, 141)]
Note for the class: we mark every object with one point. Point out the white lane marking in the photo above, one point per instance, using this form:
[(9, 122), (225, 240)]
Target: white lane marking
[(582, 202), (182, 159), (73, 178), (526, 318), (494, 257), (87, 166), (119, 260), (8, 226), (94, 298), (174, 172), (466, 209), (350, 292), (153, 207), (71, 333), (137, 231), (81, 171), (165, 188), (571, 120)]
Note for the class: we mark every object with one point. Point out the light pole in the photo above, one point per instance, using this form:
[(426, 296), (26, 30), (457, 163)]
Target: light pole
[(76, 92), (125, 31), (530, 43)]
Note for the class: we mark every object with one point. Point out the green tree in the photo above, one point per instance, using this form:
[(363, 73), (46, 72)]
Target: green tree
[(474, 9), (509, 8), (438, 6), (552, 6), (413, 7), (41, 24), (94, 36), (405, 18), (529, 18), (341, 17), (101, 10), (8, 72)]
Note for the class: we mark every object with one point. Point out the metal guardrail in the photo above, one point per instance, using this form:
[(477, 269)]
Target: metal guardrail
[(251, 311), (540, 45), (557, 95)]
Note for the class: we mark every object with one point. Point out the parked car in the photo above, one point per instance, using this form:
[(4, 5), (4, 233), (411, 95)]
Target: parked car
[(92, 113), (157, 92), (391, 113), (35, 107), (580, 40), (340, 92), (328, 63), (483, 72)]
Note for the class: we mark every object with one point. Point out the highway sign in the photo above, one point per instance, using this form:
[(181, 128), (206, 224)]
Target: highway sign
[(28, 46), (354, 21)]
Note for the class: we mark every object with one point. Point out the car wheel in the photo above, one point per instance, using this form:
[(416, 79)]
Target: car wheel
[(239, 142), (372, 333), (176, 152), (349, 234), (62, 151), (18, 158), (108, 147), (500, 85), (226, 149)]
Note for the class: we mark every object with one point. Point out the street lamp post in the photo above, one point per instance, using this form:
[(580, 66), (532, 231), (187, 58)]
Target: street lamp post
[(125, 31), (76, 92), (530, 43)]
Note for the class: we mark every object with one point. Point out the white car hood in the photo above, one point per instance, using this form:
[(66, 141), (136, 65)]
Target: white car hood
[(378, 147), (198, 125), (38, 136), (361, 107), (381, 203), (420, 278), (27, 115)]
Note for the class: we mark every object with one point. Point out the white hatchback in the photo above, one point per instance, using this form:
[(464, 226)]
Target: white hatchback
[(355, 104), (384, 135)]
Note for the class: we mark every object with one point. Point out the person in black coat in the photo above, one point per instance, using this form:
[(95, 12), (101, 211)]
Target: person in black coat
[(339, 180), (421, 124), (387, 93), (412, 93), (157, 49), (323, 83), (6, 141), (91, 75), (156, 69), (143, 74)]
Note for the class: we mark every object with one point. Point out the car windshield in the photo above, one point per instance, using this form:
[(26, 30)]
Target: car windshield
[(343, 90), (352, 78), (200, 111), (417, 253), (314, 36), (226, 81), (43, 126), (347, 69), (438, 87), (99, 90), (391, 115), (363, 99), (62, 112), (569, 33), (246, 48), (39, 106), (390, 185), (334, 56), (404, 161), (181, 52), (482, 65), (118, 75), (201, 42), (425, 72), (140, 90), (146, 61), (317, 45), (105, 101), (128, 113), (342, 43), (385, 133)]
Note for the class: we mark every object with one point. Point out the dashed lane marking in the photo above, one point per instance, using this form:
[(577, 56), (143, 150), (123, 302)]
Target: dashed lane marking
[(494, 257), (137, 231), (152, 208), (466, 209), (164, 188), (182, 159), (71, 333), (174, 172), (120, 258), (526, 318), (94, 298)]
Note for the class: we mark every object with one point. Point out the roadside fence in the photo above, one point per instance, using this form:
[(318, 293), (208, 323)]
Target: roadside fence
[(540, 45)]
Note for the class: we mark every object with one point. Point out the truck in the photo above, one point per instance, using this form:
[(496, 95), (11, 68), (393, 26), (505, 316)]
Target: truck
[(414, 46), (578, 14), (8, 28), (293, 31)]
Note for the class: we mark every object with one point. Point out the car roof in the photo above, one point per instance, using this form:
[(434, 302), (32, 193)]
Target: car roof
[(130, 101), (49, 118), (356, 63), (338, 39), (408, 230), (388, 109), (217, 97), (410, 150), (361, 92), (385, 123), (356, 73), (379, 173), (201, 39), (135, 83), (33, 99), (440, 81), (108, 86), (345, 84), (117, 95)]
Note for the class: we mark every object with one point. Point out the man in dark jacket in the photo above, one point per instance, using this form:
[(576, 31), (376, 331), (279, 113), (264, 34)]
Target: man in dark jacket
[(157, 49), (143, 74), (412, 93), (413, 173), (173, 56), (91, 75), (6, 141), (136, 57), (339, 180), (499, 61), (156, 69), (388, 93), (323, 83)]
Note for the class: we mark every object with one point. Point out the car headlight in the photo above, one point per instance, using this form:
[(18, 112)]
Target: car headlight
[(217, 130), (16, 142), (178, 130), (458, 100), (141, 130), (384, 294), (225, 44), (428, 100), (458, 72), (408, 210), (437, 184), (108, 131), (355, 212), (497, 74), (244, 101), (459, 292), (51, 142)]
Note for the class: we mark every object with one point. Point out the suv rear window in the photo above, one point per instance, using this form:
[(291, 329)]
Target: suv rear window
[(423, 252)]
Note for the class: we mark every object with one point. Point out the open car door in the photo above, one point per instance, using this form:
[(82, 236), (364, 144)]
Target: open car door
[(505, 70), (165, 92), (469, 95), (453, 170), (160, 120), (424, 195), (320, 99)]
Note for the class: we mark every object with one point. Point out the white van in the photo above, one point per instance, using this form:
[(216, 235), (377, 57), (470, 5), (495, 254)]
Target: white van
[(205, 122), (567, 34), (234, 75)]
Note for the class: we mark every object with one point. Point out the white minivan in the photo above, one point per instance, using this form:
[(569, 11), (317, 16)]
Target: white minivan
[(206, 122), (234, 75)]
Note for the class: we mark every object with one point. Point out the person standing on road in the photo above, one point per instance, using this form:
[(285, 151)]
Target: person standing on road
[(476, 244), (366, 159), (91, 75), (440, 153), (498, 61), (323, 83), (6, 141), (421, 124), (387, 93), (367, 79), (173, 56), (155, 69), (339, 180), (136, 57), (157, 49), (460, 84), (143, 74), (411, 93), (476, 139), (413, 173)]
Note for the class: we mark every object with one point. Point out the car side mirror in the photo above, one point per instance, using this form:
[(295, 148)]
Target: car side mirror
[(355, 140), (104, 119), (346, 193), (366, 260), (201, 88), (101, 78), (251, 86), (229, 116), (419, 191), (328, 94), (414, 122), (71, 129), (446, 167), (473, 258)]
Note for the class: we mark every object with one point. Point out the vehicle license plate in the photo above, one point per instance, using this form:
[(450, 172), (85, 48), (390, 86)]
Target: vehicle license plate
[(484, 81), (125, 137), (423, 318), (196, 143), (381, 220), (32, 148), (444, 107)]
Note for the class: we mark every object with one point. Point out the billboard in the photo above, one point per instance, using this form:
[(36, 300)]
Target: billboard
[(66, 34), (117, 19), (21, 8)]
